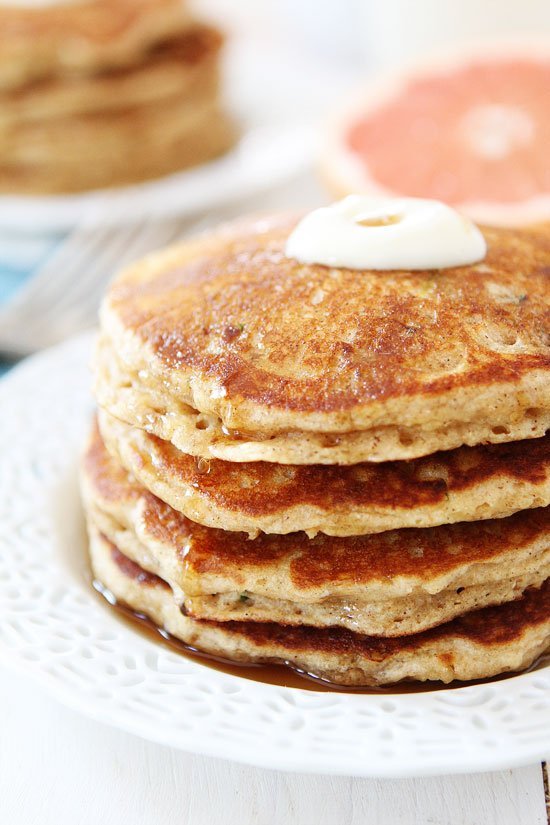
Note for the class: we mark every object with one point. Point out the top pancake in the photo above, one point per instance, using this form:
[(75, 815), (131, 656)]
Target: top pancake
[(80, 37), (276, 355)]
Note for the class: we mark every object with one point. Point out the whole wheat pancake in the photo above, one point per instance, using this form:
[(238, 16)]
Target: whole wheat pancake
[(98, 150), (482, 644), (231, 350), (466, 484), (81, 37), (184, 64), (394, 583)]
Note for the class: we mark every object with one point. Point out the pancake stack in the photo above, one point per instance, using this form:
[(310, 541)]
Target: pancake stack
[(344, 471), (106, 92)]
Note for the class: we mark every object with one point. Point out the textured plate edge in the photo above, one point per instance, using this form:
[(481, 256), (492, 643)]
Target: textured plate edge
[(316, 767)]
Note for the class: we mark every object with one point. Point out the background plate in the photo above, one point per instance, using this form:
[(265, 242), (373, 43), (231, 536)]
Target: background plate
[(54, 627)]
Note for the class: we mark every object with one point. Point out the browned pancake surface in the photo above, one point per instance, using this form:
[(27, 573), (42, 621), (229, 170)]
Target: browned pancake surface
[(421, 553), (261, 487), (132, 570), (490, 626), (311, 339)]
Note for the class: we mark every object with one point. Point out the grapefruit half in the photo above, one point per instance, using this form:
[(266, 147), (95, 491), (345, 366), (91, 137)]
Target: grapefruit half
[(471, 129)]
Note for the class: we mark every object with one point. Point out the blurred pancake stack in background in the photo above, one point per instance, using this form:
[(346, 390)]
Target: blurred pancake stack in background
[(344, 471), (102, 93)]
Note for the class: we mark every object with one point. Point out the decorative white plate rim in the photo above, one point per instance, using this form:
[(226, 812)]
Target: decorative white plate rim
[(57, 630), (264, 156)]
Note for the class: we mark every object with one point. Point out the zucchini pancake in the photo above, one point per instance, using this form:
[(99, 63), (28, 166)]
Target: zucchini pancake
[(79, 81), (343, 470)]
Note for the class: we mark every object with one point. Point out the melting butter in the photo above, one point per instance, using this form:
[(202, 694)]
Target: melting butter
[(363, 232)]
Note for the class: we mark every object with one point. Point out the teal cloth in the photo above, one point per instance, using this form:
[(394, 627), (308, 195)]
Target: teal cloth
[(21, 255), (5, 366)]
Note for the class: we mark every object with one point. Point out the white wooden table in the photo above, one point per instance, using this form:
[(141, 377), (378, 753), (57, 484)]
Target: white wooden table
[(59, 768)]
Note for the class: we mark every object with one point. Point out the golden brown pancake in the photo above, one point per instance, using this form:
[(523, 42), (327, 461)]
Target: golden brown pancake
[(79, 82), (100, 150), (184, 64), (467, 484), (231, 350), (482, 644), (81, 37), (392, 584)]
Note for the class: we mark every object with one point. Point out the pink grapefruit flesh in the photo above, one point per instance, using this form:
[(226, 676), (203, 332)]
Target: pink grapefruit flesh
[(468, 134)]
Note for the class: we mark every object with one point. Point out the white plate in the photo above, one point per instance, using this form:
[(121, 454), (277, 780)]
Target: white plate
[(264, 157), (54, 627)]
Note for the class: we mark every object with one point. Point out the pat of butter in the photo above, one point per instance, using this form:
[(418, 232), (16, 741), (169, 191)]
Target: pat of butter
[(362, 232)]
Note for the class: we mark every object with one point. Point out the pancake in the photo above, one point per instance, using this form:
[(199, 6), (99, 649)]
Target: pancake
[(467, 484), (98, 150), (482, 644), (184, 64), (102, 133), (229, 349), (81, 37), (392, 584)]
